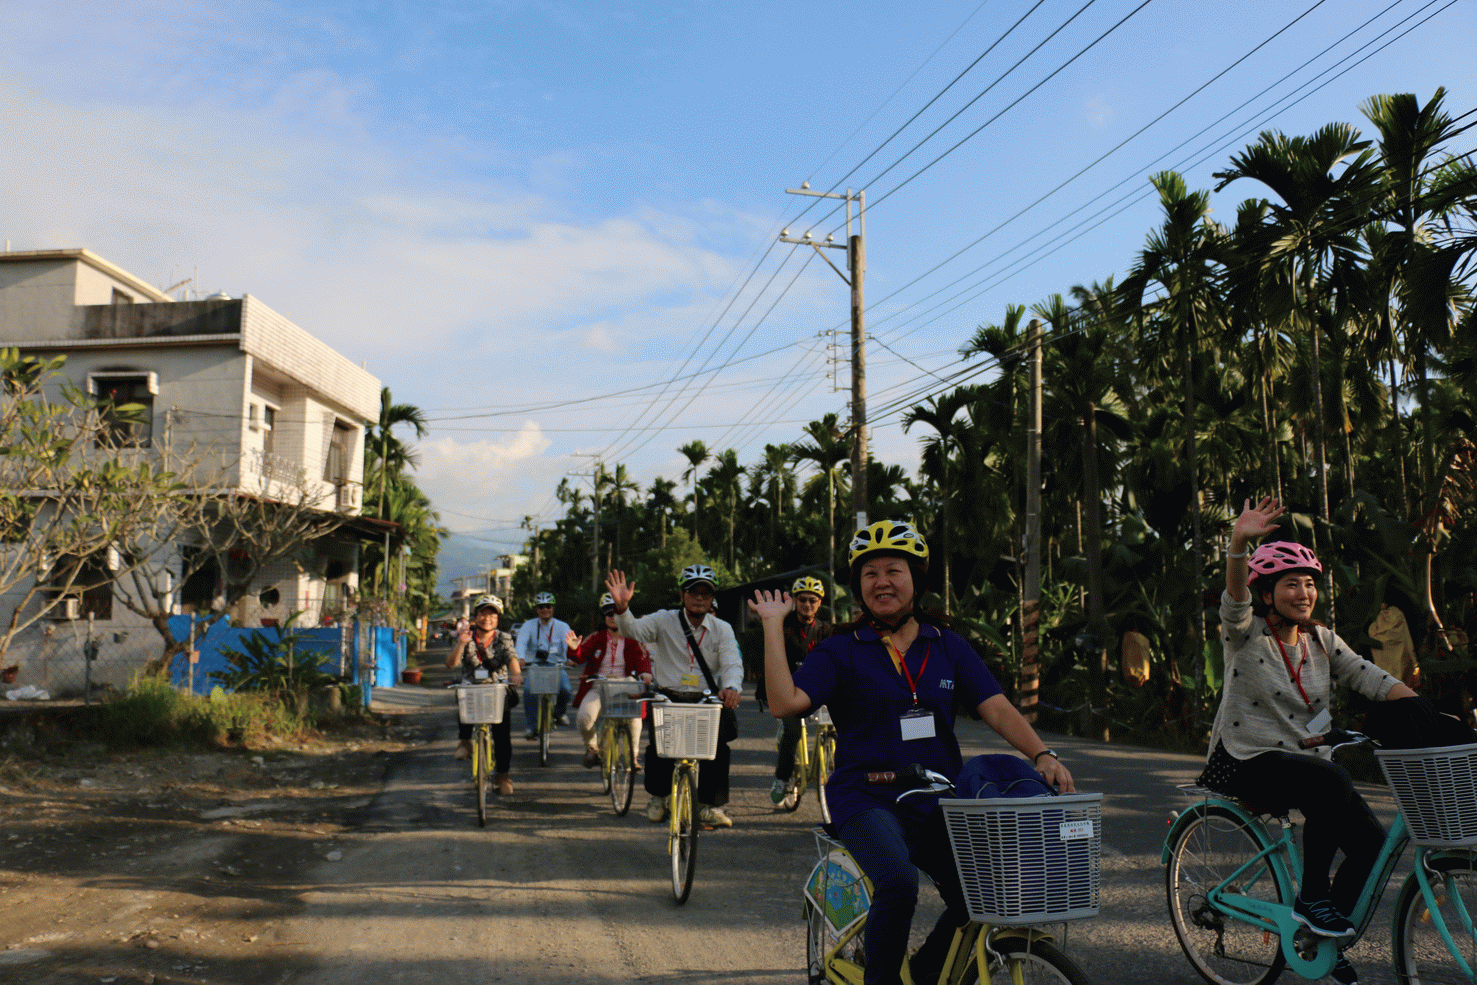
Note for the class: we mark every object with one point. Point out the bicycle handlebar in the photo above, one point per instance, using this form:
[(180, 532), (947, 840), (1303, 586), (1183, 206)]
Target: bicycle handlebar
[(1336, 738)]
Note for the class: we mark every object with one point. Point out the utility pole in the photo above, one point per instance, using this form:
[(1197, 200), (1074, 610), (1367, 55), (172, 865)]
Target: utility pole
[(530, 524), (1030, 686), (856, 262), (594, 476)]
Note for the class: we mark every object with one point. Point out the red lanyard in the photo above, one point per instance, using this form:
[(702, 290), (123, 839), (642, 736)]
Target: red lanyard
[(692, 660), (1296, 675), (805, 637), (900, 659)]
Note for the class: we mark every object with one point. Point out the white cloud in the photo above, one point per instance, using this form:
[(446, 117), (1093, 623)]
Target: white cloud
[(1099, 112), (493, 480)]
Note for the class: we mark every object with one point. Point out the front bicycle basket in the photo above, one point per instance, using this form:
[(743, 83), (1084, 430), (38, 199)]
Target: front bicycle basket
[(1436, 791), (686, 731), (1028, 860), (542, 678), (481, 704), (616, 700)]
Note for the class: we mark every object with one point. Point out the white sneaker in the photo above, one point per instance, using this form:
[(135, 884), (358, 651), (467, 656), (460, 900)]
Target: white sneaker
[(656, 809), (713, 817), (777, 792)]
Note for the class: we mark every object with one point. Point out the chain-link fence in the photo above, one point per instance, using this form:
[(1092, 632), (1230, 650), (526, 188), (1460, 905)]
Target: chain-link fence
[(68, 662)]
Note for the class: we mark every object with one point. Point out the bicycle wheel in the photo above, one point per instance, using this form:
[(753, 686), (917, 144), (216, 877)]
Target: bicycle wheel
[(480, 766), (1036, 962), (799, 773), (545, 726), (684, 834), (825, 762), (1421, 955), (1224, 950), (607, 757), (622, 769)]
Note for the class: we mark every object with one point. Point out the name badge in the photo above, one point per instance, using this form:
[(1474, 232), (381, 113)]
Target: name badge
[(691, 681), (917, 724), (480, 674)]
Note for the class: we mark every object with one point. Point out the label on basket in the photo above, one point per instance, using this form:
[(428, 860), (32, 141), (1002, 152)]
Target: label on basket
[(480, 674), (1075, 830)]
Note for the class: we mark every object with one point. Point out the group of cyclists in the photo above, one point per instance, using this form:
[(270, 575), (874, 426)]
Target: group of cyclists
[(893, 676)]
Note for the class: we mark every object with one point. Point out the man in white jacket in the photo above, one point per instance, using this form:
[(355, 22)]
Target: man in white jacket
[(678, 672), (551, 637)]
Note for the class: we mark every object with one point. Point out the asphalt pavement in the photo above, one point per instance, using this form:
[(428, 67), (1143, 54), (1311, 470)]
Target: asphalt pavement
[(558, 889)]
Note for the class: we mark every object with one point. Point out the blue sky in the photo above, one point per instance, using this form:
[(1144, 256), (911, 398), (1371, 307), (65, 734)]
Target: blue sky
[(507, 209)]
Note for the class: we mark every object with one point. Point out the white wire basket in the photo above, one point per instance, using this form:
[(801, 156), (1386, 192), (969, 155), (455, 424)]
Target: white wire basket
[(1026, 860), (542, 678), (616, 700), (1436, 791), (481, 704), (685, 731)]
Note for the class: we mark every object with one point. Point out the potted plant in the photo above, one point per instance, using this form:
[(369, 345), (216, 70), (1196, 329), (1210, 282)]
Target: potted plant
[(412, 672)]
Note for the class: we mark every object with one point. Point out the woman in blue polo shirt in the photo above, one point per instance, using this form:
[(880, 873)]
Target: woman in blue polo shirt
[(889, 680)]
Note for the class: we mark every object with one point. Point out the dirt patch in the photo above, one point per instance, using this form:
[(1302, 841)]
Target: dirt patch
[(174, 866)]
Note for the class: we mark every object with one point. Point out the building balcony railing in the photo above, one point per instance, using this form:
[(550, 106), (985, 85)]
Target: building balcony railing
[(274, 468)]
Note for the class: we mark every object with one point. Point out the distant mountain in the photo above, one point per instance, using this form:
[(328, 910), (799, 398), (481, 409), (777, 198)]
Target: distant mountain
[(470, 554)]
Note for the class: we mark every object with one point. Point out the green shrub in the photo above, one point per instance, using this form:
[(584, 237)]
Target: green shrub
[(154, 713)]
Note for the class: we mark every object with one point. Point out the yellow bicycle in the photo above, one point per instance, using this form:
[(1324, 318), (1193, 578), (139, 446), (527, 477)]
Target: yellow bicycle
[(619, 707), (1004, 895), (687, 733), (817, 768), (482, 705)]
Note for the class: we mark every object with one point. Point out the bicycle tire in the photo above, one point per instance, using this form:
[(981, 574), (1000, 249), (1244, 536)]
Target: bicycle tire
[(825, 762), (545, 726), (480, 766), (1421, 956), (623, 771), (1038, 962), (1224, 950), (607, 757), (684, 834)]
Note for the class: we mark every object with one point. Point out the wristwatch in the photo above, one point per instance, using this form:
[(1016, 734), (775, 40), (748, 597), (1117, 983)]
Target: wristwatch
[(1045, 752)]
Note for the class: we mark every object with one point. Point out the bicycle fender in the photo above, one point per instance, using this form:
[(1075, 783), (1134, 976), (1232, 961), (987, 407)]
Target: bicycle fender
[(1189, 814), (1029, 934)]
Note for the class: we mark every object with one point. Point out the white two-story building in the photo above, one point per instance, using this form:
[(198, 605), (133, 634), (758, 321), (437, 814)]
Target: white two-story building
[(225, 382)]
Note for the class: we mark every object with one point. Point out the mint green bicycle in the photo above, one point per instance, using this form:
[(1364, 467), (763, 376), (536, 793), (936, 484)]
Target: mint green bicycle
[(1232, 875)]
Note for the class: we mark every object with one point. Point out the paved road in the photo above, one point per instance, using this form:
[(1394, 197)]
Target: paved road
[(558, 889)]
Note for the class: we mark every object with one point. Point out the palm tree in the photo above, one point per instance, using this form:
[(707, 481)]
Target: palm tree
[(775, 470), (697, 453), (727, 479), (1316, 226), (661, 501), (939, 413), (828, 449), (1182, 258)]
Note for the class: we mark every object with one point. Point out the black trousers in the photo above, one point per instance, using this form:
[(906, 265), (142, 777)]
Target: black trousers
[(502, 742), (784, 763), (1337, 818), (712, 774)]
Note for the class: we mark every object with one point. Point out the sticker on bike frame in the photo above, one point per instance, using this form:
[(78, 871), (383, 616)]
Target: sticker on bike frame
[(917, 724), (1075, 830)]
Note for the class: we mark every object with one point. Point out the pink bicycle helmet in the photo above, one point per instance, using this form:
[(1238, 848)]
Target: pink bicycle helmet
[(1279, 556)]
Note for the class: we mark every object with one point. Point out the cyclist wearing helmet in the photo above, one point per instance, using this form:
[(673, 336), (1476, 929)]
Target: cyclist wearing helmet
[(545, 640), (606, 653), (890, 680), (1281, 668), (803, 630), (481, 646), (681, 678)]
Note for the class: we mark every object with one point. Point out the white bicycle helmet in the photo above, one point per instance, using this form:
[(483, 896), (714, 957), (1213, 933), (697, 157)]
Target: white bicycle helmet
[(487, 602), (543, 598), (607, 603), (696, 573)]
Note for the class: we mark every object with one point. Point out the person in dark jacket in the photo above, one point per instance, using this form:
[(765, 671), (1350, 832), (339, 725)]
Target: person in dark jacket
[(803, 630)]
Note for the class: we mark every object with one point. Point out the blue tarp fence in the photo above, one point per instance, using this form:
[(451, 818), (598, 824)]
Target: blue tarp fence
[(375, 654)]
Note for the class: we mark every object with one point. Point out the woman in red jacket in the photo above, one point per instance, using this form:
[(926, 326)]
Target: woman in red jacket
[(606, 653)]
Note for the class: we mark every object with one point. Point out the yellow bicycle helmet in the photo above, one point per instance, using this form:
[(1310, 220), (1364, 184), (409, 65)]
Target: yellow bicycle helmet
[(888, 538), (810, 584)]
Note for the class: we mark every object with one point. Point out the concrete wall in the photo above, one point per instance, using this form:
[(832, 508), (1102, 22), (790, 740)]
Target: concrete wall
[(289, 350), (36, 300)]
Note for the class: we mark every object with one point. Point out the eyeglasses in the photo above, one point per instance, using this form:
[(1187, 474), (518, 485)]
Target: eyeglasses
[(699, 593)]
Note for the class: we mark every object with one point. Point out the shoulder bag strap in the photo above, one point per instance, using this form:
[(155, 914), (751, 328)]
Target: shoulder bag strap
[(696, 651)]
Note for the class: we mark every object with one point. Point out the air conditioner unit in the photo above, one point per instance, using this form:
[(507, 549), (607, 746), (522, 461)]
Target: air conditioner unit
[(68, 608)]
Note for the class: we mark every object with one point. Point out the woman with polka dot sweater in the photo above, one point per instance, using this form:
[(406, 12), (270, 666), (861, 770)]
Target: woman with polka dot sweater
[(1281, 669)]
